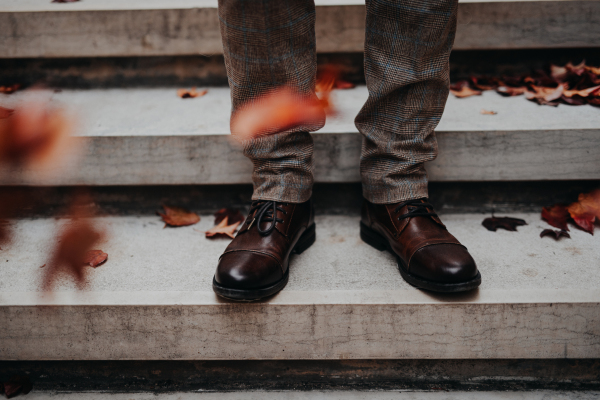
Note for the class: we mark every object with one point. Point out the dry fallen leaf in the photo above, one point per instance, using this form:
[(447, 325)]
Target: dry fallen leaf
[(64, 1), (94, 258), (36, 136), (464, 91), (69, 257), (5, 112), (232, 215), (278, 111), (510, 224), (557, 216), (177, 216), (556, 234), (190, 94), (223, 230), (585, 210), (17, 384), (487, 112), (9, 89)]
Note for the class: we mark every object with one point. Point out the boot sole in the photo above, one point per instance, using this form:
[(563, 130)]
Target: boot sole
[(306, 240), (374, 239)]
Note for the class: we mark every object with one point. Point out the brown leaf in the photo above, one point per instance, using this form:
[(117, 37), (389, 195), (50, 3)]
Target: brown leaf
[(582, 93), (557, 216), (190, 94), (222, 230), (76, 238), (64, 1), (17, 384), (545, 95), (232, 215), (36, 136), (94, 258), (483, 83), (42, 266), (281, 110), (176, 216), (509, 91), (487, 112), (465, 91), (5, 112), (585, 211), (510, 224), (70, 254), (554, 234), (9, 89)]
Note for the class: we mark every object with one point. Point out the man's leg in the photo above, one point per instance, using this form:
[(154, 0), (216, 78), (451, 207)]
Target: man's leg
[(268, 44), (407, 47)]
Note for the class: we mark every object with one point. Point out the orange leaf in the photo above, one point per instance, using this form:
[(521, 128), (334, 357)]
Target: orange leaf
[(278, 111), (487, 112), (465, 91), (585, 211), (223, 229), (36, 136), (9, 89), (94, 258), (511, 91), (176, 216), (582, 93), (190, 94)]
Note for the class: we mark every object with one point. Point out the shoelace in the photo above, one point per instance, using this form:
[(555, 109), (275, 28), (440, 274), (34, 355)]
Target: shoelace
[(266, 211), (415, 209)]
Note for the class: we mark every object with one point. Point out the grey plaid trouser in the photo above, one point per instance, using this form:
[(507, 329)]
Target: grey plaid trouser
[(269, 43)]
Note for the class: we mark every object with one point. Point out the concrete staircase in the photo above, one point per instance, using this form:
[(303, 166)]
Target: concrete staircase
[(152, 300)]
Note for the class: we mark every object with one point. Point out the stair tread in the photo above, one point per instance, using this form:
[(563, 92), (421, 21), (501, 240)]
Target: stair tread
[(144, 257), (159, 112)]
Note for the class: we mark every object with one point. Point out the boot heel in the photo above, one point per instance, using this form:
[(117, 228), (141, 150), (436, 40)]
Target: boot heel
[(372, 238), (306, 240)]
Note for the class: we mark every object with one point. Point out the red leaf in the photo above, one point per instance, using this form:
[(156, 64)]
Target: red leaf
[(222, 230), (36, 136), (232, 215), (94, 258), (76, 239), (17, 384), (176, 216), (585, 222), (279, 111), (510, 224), (556, 216), (554, 234)]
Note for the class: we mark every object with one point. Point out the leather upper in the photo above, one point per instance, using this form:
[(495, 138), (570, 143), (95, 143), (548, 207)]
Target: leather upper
[(422, 243), (254, 260)]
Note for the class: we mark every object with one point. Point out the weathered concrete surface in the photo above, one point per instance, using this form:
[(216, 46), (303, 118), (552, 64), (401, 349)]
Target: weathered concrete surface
[(326, 395), (94, 28), (150, 136), (152, 299)]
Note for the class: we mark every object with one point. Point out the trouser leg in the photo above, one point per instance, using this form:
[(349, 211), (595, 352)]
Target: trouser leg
[(407, 46), (267, 44)]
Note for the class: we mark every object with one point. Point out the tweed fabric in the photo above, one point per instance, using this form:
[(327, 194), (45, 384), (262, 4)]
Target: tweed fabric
[(269, 43), (407, 47)]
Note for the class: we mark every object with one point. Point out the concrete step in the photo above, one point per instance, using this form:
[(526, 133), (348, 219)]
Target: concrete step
[(152, 300), (151, 136), (100, 28), (327, 395)]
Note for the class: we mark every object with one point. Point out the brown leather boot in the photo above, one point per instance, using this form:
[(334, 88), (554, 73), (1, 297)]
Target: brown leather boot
[(256, 262), (429, 257)]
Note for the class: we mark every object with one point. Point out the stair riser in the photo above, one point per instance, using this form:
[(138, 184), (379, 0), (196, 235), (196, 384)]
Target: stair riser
[(165, 376), (214, 159), (339, 28), (301, 331)]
